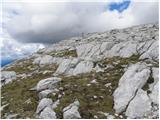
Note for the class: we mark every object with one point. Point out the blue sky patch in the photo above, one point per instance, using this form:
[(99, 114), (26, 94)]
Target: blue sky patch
[(120, 7)]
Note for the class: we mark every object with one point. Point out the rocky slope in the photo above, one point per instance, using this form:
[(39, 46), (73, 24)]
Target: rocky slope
[(100, 75)]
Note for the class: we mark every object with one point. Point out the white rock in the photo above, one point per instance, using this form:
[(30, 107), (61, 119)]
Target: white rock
[(152, 52), (47, 59), (94, 97), (45, 102), (7, 77), (64, 67), (134, 78), (48, 83), (98, 69), (94, 81), (84, 49), (139, 106), (47, 113), (88, 85), (55, 104), (74, 67), (107, 85), (42, 60), (11, 116), (71, 111), (83, 67), (110, 117), (122, 49), (45, 93)]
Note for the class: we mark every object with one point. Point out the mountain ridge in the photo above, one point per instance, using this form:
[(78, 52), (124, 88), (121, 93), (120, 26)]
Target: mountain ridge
[(87, 77)]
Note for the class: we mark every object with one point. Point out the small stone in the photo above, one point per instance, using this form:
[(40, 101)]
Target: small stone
[(95, 116), (110, 117), (94, 81), (107, 85), (94, 97)]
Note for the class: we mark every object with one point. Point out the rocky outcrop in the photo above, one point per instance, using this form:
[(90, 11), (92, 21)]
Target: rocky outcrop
[(134, 78), (47, 113), (45, 102), (46, 60), (48, 83), (140, 106), (71, 111), (7, 77), (74, 67)]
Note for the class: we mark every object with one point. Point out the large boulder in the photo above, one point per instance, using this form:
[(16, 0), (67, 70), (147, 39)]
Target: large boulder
[(67, 66), (74, 66), (122, 49), (45, 102), (140, 106), (48, 83), (47, 59), (7, 77), (71, 111), (47, 113), (83, 67), (152, 52), (132, 80), (42, 60)]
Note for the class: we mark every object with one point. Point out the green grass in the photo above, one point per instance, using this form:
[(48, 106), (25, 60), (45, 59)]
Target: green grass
[(64, 53), (25, 66)]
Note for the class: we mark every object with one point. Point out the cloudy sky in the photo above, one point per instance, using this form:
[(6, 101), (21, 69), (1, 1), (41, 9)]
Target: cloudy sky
[(27, 26)]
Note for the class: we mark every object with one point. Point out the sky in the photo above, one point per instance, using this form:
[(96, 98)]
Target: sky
[(27, 26)]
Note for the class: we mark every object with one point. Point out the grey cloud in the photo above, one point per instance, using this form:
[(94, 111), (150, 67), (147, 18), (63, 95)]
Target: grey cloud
[(58, 22)]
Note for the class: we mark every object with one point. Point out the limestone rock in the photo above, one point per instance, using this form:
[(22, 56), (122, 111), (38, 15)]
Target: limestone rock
[(139, 106), (45, 102), (83, 67), (47, 113), (132, 80), (45, 93), (152, 53), (71, 111), (7, 77), (48, 83), (46, 59), (74, 66)]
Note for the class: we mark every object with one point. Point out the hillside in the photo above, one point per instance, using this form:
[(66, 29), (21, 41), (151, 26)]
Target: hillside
[(114, 74)]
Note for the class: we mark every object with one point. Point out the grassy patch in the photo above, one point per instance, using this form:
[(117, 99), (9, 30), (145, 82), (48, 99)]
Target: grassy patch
[(64, 53), (20, 67)]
